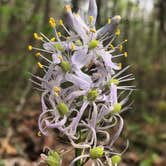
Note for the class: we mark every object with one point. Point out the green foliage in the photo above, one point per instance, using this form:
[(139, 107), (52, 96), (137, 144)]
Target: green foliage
[(149, 161), (2, 163)]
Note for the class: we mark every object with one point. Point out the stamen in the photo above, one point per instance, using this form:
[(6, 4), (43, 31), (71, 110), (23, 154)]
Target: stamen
[(121, 48), (91, 18), (30, 47), (37, 37), (56, 90), (93, 30), (120, 65), (39, 134), (109, 21), (112, 46), (59, 34), (125, 54), (40, 65), (52, 22), (117, 33), (38, 54), (60, 57), (61, 22), (73, 46), (53, 39)]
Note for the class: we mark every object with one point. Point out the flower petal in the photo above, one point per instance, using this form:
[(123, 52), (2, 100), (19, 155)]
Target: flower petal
[(80, 58), (55, 59), (80, 79), (93, 10)]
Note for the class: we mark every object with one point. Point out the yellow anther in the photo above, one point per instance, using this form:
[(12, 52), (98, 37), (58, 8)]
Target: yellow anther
[(73, 46), (118, 32), (53, 39), (68, 37), (30, 48), (120, 65), (109, 21), (56, 90), (112, 47), (93, 30), (59, 34), (39, 134), (40, 65), (126, 40), (120, 47), (36, 36), (125, 54), (91, 18), (52, 22), (60, 57), (37, 54), (68, 8), (61, 22)]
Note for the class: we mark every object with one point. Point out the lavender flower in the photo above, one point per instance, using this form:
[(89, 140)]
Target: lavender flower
[(83, 94)]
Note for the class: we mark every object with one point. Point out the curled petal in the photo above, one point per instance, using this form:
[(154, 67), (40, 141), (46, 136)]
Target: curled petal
[(116, 136), (56, 124), (74, 124)]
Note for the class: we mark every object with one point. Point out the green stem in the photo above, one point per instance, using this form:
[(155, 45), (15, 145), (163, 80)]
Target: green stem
[(78, 153)]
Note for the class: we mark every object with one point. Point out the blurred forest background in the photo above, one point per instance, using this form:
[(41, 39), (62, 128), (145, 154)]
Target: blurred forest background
[(143, 24)]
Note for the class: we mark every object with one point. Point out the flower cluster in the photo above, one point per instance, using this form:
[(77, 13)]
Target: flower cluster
[(83, 90)]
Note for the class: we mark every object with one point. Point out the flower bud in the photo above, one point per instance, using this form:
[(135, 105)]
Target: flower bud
[(117, 108), (93, 44), (53, 159), (116, 159), (97, 152), (62, 108), (65, 66), (92, 95)]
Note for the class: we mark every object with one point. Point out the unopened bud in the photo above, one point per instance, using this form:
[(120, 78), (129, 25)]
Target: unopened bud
[(117, 108), (97, 152), (116, 159), (65, 66), (62, 108), (92, 95), (53, 159), (93, 44)]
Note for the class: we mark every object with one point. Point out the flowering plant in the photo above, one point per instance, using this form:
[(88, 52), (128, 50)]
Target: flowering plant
[(83, 94)]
